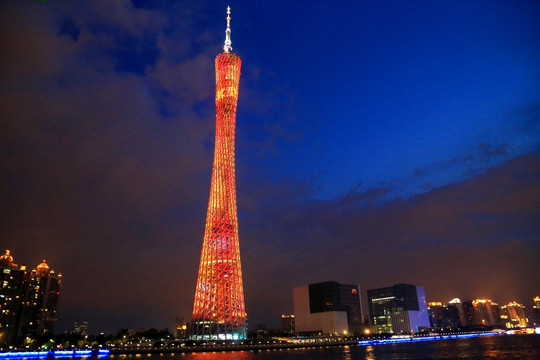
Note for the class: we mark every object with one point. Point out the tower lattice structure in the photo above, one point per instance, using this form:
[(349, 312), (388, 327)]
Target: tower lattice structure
[(218, 311)]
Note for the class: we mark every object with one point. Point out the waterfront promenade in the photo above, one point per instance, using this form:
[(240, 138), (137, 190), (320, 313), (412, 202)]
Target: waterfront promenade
[(293, 343), (263, 345), (248, 345)]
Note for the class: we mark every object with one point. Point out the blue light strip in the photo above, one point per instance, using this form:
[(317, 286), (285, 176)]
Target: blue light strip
[(55, 354), (423, 338)]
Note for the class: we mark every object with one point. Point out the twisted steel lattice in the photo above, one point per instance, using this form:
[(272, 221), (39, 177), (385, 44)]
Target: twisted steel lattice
[(219, 311)]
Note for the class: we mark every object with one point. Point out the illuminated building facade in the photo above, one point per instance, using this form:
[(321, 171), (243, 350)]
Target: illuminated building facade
[(446, 317), (327, 308), (458, 305), (80, 327), (218, 310), (28, 300), (536, 311), (40, 303), (181, 329), (483, 313), (12, 287), (398, 309), (442, 317), (513, 315), (287, 322)]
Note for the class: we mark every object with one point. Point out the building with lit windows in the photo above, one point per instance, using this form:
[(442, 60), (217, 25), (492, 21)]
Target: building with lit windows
[(446, 317), (457, 305), (181, 329), (12, 288), (443, 317), (398, 309), (513, 315), (40, 303), (218, 309), (483, 313), (327, 308), (80, 327), (536, 311), (287, 323), (28, 300)]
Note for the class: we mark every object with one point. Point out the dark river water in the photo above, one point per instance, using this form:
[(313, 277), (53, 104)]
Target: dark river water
[(500, 347)]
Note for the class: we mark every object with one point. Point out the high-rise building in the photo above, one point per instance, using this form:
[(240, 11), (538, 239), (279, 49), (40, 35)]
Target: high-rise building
[(457, 305), (181, 329), (287, 323), (80, 327), (40, 303), (218, 311), (483, 313), (28, 300), (445, 317), (400, 308), (328, 308), (12, 287), (536, 311), (513, 315)]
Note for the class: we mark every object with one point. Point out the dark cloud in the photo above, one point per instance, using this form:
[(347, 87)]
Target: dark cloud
[(489, 151), (94, 175), (477, 238), (475, 162)]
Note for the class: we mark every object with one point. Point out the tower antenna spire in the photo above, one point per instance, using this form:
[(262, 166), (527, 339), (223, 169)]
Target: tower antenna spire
[(228, 46)]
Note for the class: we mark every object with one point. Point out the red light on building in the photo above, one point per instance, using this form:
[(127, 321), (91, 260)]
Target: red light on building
[(218, 309)]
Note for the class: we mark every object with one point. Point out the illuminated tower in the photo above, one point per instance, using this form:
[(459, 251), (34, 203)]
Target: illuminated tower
[(218, 310)]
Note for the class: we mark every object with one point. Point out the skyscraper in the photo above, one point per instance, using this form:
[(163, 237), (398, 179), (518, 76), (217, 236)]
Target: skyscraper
[(287, 322), (43, 287), (483, 313), (514, 315), (12, 288), (28, 300), (536, 311), (218, 309), (446, 317)]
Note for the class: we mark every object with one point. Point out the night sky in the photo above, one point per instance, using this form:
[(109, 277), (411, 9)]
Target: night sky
[(378, 142)]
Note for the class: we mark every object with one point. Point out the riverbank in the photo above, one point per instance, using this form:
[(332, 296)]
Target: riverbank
[(296, 344), (228, 347), (238, 346), (54, 354)]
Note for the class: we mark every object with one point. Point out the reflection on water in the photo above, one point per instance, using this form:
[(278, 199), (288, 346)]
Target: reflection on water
[(347, 353), (507, 347), (369, 352), (236, 355)]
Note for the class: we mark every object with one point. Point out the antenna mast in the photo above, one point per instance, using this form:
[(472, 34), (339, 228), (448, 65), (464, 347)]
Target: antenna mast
[(227, 48)]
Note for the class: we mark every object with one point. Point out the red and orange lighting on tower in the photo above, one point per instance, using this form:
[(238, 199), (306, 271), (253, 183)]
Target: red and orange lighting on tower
[(218, 311)]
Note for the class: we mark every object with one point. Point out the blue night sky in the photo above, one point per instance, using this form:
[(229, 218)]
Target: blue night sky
[(378, 142)]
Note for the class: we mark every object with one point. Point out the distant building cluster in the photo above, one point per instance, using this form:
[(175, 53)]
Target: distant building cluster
[(28, 299), (481, 313), (80, 327), (332, 308)]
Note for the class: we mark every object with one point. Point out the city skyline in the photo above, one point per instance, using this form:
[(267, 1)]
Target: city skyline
[(377, 142), (327, 301)]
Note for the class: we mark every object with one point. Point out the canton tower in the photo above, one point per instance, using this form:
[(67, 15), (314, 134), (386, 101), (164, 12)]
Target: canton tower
[(218, 309)]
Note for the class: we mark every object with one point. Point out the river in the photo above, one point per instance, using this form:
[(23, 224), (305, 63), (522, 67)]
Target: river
[(498, 347)]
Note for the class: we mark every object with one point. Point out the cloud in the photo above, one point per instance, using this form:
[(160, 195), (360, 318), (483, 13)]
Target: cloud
[(483, 228), (96, 177), (482, 155)]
